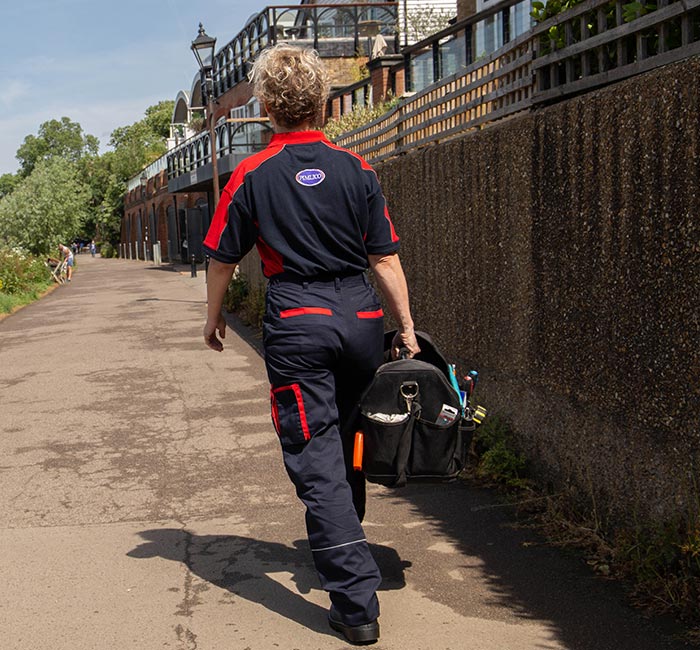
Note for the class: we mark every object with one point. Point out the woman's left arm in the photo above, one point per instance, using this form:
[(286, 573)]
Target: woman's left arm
[(218, 277)]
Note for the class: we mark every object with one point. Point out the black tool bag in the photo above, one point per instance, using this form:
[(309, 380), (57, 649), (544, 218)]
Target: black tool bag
[(412, 420)]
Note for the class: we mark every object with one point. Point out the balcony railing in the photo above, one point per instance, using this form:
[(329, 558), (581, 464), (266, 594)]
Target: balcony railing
[(472, 39), (242, 136), (596, 43), (154, 168), (332, 29)]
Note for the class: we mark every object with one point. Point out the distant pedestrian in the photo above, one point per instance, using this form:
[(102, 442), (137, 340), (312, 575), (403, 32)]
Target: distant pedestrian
[(93, 248), (67, 254)]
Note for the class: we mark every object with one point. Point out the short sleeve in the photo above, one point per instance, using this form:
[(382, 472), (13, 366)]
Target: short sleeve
[(381, 237), (233, 230)]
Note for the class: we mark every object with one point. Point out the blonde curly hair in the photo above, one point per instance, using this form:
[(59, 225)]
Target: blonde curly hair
[(292, 82)]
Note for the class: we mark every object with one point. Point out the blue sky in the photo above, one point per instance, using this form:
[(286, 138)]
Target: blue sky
[(101, 63)]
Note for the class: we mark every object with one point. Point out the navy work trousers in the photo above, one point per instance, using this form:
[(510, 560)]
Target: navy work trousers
[(323, 342)]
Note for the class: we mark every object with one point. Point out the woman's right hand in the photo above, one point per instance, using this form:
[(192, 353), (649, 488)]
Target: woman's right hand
[(404, 340)]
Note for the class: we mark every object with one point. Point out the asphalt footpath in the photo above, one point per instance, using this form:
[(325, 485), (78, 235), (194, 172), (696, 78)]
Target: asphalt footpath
[(144, 504)]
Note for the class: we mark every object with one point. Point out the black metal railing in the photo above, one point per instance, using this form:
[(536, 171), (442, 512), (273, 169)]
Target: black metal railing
[(245, 136), (331, 29)]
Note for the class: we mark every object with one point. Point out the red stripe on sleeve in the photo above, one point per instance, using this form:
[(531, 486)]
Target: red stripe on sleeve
[(220, 219), (394, 236), (218, 223)]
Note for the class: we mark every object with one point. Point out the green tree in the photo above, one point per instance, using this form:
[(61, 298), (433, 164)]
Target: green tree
[(56, 139), (158, 118), (46, 208), (8, 182), (135, 146), (424, 21), (107, 189), (141, 143)]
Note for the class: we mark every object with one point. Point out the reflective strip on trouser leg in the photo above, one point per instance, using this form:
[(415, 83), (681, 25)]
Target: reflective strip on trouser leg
[(341, 555)]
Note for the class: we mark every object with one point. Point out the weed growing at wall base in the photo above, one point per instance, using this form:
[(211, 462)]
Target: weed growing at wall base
[(236, 292), (498, 461), (664, 563), (659, 563)]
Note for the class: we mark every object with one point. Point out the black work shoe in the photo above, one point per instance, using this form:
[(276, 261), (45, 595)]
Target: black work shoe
[(356, 634)]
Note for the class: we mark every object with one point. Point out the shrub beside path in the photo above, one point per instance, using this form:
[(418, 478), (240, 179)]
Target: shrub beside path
[(145, 504)]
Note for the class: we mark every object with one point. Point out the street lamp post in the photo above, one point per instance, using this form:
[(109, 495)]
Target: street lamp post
[(203, 48), (143, 180)]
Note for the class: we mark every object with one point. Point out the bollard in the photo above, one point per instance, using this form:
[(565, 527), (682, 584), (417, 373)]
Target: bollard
[(193, 267)]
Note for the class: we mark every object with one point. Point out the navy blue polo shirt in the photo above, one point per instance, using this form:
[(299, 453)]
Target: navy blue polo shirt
[(311, 207)]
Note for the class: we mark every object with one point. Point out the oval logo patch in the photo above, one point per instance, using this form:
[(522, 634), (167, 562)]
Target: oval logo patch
[(310, 177)]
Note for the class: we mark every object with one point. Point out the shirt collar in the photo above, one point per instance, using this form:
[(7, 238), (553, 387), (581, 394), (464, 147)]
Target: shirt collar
[(298, 137)]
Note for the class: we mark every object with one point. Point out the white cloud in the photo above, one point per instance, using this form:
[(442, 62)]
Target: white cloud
[(13, 91)]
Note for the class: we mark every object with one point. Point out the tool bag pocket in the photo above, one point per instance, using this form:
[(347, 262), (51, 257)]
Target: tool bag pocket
[(433, 450), (385, 445)]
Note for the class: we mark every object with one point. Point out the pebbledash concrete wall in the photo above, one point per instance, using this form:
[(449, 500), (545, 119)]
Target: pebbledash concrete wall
[(558, 253)]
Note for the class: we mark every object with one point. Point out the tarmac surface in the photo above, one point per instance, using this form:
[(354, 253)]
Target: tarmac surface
[(145, 505)]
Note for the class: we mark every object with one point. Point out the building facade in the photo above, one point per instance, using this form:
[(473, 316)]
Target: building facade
[(371, 53)]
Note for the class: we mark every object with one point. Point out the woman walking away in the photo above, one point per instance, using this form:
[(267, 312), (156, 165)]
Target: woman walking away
[(318, 217)]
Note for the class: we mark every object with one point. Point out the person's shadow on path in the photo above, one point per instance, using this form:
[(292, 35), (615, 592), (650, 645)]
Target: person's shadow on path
[(241, 566)]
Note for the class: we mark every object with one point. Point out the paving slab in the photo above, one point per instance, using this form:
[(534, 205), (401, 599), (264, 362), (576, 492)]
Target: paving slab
[(145, 504)]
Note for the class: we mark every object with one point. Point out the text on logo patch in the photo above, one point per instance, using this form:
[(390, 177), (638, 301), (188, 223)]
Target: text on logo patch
[(310, 177)]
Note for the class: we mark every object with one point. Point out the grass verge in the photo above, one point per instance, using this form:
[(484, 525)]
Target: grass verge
[(10, 303)]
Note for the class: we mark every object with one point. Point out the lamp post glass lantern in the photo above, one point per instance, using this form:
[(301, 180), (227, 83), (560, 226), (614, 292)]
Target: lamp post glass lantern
[(203, 49)]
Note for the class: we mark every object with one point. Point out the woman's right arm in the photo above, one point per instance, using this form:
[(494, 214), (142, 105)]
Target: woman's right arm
[(392, 283)]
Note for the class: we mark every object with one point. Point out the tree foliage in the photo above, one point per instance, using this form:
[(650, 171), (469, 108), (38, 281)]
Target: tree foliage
[(359, 116), (47, 208), (424, 21), (8, 182), (56, 139), (143, 142), (65, 190)]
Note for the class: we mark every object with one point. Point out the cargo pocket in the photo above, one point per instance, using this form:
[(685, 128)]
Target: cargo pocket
[(289, 415)]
